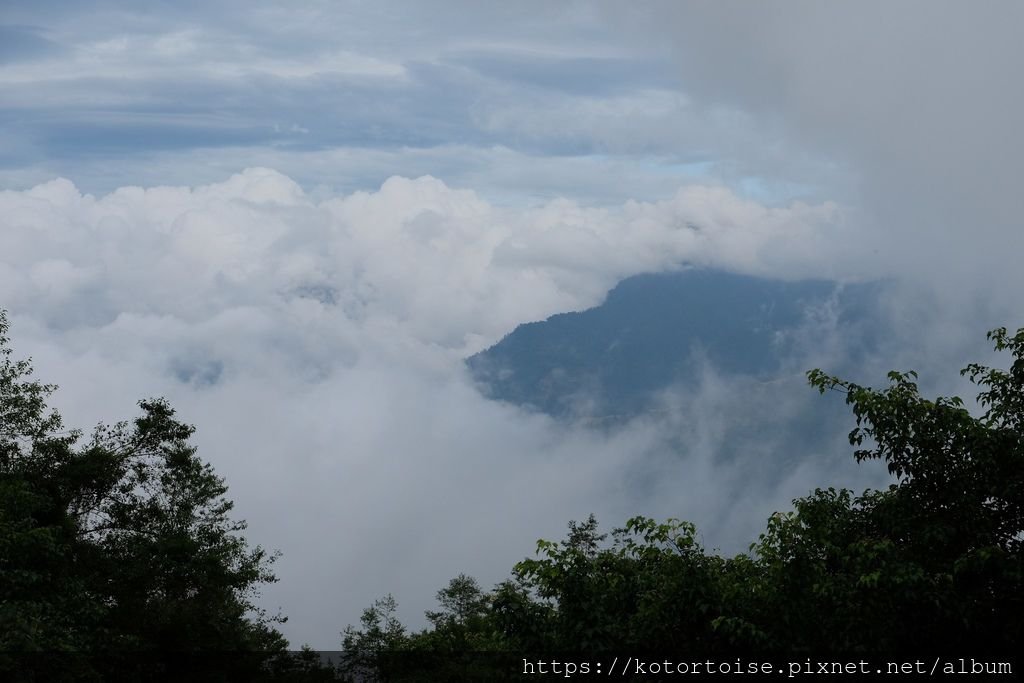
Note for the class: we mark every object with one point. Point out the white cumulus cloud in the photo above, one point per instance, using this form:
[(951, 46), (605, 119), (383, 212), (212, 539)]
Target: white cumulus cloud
[(317, 344)]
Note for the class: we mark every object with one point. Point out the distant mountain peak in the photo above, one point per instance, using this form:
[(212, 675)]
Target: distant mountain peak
[(654, 331)]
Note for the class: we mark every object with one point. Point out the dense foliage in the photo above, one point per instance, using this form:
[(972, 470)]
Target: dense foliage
[(120, 543), (933, 563)]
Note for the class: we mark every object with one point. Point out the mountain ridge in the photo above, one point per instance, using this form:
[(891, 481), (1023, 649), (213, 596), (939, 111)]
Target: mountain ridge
[(656, 330)]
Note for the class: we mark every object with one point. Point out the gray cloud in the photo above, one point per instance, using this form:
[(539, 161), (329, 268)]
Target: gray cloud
[(915, 101), (318, 343), (553, 85)]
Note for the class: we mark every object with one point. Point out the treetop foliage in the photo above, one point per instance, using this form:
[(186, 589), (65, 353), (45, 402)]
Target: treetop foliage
[(118, 543), (932, 563)]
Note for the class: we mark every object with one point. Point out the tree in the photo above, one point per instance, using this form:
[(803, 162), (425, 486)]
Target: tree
[(119, 543), (932, 563), (653, 588), (461, 623), (381, 634), (943, 544)]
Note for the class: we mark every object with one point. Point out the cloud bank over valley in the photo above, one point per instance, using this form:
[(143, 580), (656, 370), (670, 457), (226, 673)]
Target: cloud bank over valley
[(297, 223), (319, 347)]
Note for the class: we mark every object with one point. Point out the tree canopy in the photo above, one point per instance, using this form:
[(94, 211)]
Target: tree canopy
[(932, 563), (119, 543)]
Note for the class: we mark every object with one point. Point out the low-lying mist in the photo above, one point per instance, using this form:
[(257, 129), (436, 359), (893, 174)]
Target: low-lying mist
[(319, 349)]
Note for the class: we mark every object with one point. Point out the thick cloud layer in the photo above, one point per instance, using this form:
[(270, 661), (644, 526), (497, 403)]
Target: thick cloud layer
[(911, 110), (318, 346), (313, 326)]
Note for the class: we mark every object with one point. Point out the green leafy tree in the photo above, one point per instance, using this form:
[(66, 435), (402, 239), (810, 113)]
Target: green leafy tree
[(119, 543), (462, 623), (366, 649), (45, 603), (932, 563), (653, 587)]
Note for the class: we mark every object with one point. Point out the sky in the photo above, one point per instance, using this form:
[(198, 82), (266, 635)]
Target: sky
[(296, 220)]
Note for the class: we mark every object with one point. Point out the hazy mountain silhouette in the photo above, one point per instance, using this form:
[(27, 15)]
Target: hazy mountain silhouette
[(657, 330)]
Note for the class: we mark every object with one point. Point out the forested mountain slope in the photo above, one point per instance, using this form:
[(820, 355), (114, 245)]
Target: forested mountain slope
[(656, 330)]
